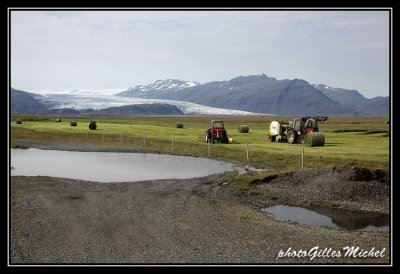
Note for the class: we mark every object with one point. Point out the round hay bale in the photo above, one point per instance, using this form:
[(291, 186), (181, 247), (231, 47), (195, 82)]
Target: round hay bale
[(243, 129), (73, 124), (58, 120), (179, 125), (314, 139), (92, 125), (19, 122)]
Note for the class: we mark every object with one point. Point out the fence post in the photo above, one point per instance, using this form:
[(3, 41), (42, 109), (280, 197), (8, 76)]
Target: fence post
[(121, 136), (247, 152), (302, 157), (74, 132), (209, 152), (172, 141), (144, 139), (103, 136)]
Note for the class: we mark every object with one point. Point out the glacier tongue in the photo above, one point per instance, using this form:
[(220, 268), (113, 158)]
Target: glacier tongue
[(94, 101)]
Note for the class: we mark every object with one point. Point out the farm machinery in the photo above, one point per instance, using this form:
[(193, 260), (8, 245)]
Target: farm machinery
[(217, 132), (299, 130)]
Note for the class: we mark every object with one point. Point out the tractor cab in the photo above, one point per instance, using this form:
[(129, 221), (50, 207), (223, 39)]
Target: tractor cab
[(217, 124), (217, 132), (298, 124), (307, 124)]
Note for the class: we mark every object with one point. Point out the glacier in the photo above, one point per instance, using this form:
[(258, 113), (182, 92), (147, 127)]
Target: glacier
[(97, 101)]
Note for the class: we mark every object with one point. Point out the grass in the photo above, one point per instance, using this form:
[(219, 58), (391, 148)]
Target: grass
[(155, 134), (349, 130), (376, 131)]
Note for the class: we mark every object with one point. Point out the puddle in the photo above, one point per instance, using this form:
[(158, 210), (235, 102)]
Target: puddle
[(331, 218), (112, 166)]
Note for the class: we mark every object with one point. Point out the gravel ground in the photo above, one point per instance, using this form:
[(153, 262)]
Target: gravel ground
[(195, 221), (346, 187)]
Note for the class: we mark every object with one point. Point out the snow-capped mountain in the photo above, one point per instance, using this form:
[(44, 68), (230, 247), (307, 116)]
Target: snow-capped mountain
[(253, 93), (159, 86)]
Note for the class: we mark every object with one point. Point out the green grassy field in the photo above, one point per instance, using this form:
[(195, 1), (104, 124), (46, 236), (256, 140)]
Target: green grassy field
[(369, 150)]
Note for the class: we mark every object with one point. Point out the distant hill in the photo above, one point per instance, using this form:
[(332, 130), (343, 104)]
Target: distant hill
[(376, 106), (23, 102), (355, 100), (255, 93)]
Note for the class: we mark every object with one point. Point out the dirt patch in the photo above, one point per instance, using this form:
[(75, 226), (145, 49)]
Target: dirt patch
[(346, 186)]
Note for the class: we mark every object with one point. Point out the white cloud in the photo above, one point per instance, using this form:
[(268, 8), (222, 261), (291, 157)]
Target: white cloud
[(106, 49)]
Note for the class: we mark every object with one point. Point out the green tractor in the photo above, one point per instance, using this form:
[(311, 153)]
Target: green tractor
[(301, 130)]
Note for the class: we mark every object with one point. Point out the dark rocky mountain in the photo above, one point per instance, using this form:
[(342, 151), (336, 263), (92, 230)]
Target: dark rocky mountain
[(23, 102), (379, 106), (255, 93), (355, 100), (345, 97)]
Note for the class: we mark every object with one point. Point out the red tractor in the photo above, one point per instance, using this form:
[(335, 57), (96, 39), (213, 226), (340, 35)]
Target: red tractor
[(217, 133)]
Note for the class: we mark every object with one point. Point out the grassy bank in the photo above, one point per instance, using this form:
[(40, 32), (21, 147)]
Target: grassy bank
[(344, 140)]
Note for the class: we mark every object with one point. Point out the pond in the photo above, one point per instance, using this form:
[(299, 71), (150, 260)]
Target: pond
[(111, 166), (331, 218)]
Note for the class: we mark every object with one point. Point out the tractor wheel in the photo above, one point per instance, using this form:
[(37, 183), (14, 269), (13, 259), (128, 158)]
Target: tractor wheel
[(225, 139), (271, 138), (291, 136), (208, 136)]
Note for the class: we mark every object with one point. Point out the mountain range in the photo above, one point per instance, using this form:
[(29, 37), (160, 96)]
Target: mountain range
[(354, 99), (263, 94), (242, 95)]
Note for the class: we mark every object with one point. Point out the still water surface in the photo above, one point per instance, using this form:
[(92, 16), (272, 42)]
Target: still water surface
[(331, 218), (111, 166)]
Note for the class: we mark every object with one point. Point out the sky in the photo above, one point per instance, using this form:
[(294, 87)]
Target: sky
[(113, 50)]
